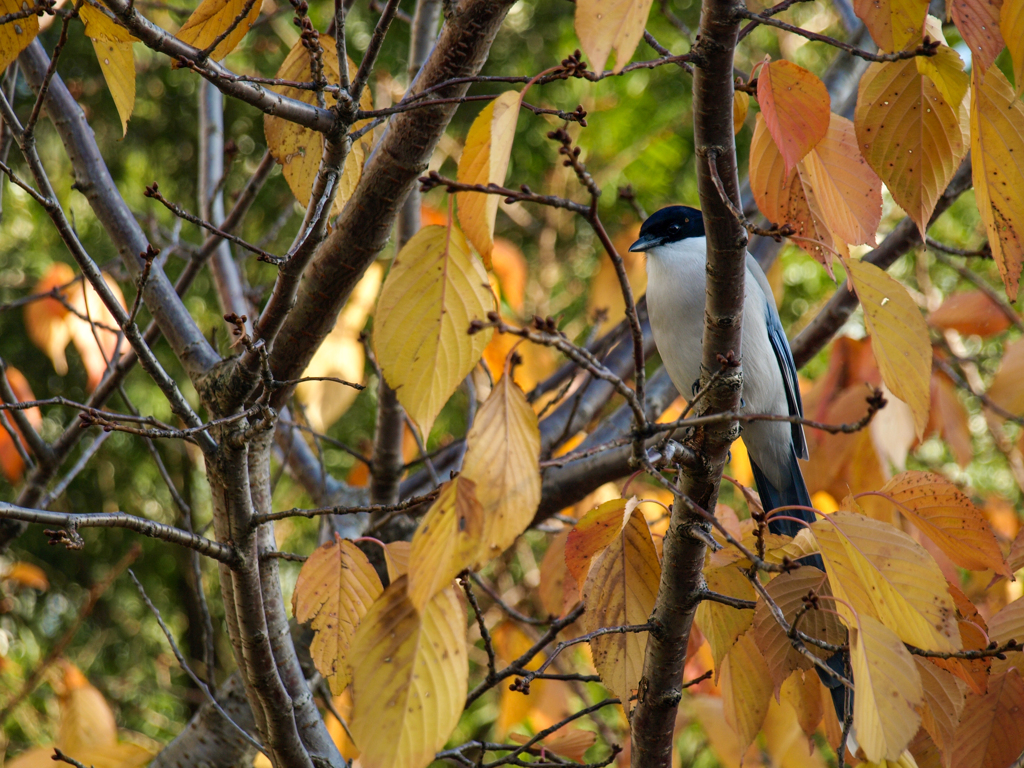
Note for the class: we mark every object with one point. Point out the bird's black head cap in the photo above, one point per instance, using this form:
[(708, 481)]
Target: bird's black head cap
[(669, 225)]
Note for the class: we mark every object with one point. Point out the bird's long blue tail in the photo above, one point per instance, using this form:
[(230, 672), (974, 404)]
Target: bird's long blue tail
[(795, 494)]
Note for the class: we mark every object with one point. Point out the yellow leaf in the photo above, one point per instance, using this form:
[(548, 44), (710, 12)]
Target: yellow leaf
[(784, 733), (909, 134), (335, 588), (122, 754), (595, 531), (113, 46), (989, 734), (485, 161), (709, 711), (503, 448), (997, 140), (848, 192), (446, 541), (789, 198), (300, 149), (554, 578), (604, 25), (214, 17), (340, 356), (788, 590), (410, 685), (894, 24), (802, 692), (1011, 25), (435, 288), (721, 624), (795, 105), (888, 690), (740, 107), (944, 697), (16, 35), (948, 518), (899, 337), (946, 70), (885, 574), (396, 558), (621, 590), (746, 689)]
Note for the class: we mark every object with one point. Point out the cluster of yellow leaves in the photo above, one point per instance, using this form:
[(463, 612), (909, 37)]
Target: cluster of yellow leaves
[(409, 686), (299, 149), (87, 731)]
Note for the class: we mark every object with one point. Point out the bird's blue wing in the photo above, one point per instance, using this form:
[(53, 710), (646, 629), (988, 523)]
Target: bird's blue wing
[(780, 345)]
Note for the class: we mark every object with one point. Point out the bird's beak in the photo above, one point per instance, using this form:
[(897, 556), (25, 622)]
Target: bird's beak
[(646, 242)]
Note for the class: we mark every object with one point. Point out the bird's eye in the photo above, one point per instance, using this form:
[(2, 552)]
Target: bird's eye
[(673, 229)]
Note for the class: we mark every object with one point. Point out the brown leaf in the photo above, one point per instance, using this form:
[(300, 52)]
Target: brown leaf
[(989, 734)]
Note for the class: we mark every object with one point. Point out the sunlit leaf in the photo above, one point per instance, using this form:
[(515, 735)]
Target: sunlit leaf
[(909, 134), (946, 70), (215, 17), (888, 690), (945, 514), (899, 337), (621, 590), (335, 588), (434, 290), (997, 140), (894, 24), (396, 558), (882, 572), (606, 25), (796, 106), (16, 35), (989, 734), (410, 685), (568, 742), (485, 161), (503, 448), (722, 624), (595, 531), (113, 46), (509, 265), (299, 149), (789, 198), (446, 540), (848, 192), (45, 319), (27, 575), (746, 689)]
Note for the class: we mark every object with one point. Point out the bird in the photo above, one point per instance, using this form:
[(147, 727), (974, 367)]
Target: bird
[(675, 245)]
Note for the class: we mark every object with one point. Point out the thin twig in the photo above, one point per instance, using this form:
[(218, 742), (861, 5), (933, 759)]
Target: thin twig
[(188, 670)]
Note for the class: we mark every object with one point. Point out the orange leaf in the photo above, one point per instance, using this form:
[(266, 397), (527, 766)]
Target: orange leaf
[(1005, 390), (945, 514), (989, 734), (595, 531), (28, 575), (740, 107), (569, 742), (796, 105), (509, 265), (978, 22), (909, 134), (944, 698), (44, 319), (789, 198), (10, 458), (971, 313), (603, 26)]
